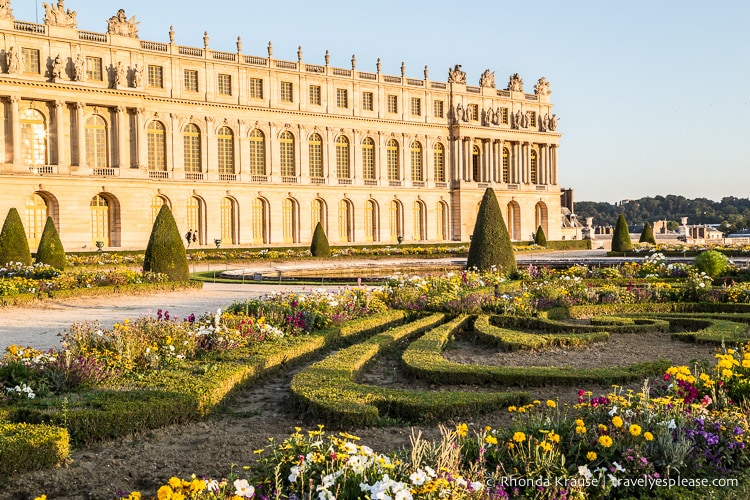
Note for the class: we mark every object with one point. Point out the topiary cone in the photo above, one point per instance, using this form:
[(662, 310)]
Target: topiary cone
[(165, 253), (647, 235), (14, 247), (539, 238), (319, 246), (50, 250), (621, 238), (490, 244)]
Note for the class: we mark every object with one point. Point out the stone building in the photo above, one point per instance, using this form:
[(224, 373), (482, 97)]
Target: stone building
[(101, 129)]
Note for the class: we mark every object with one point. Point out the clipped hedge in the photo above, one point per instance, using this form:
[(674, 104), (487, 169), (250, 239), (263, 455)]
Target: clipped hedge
[(327, 390), (424, 359), (708, 331), (27, 447), (587, 311), (514, 339), (640, 325)]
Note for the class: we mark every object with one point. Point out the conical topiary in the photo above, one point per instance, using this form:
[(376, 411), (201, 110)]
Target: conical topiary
[(319, 246), (647, 235), (14, 247), (165, 253), (490, 244), (621, 239), (539, 238), (50, 250)]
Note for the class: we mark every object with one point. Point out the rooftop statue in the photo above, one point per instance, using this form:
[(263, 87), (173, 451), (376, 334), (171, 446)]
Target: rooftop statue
[(121, 25), (515, 83), (542, 87), (487, 79), (455, 75), (5, 11), (56, 15)]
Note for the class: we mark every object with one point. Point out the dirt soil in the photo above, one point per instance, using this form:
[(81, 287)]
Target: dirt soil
[(208, 448)]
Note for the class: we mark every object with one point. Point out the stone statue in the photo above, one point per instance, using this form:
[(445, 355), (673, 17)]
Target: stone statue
[(121, 25), (518, 120), (489, 117), (526, 119), (459, 113), (542, 87), (5, 11), (12, 61), (487, 79), (58, 66), (120, 75), (80, 68), (544, 123), (56, 15), (515, 83), (455, 75), (137, 76), (498, 116), (553, 123)]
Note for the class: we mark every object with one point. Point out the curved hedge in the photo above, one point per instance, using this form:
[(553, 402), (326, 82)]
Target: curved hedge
[(514, 339)]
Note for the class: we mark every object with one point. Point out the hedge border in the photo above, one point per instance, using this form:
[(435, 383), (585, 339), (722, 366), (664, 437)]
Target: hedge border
[(514, 340), (27, 447)]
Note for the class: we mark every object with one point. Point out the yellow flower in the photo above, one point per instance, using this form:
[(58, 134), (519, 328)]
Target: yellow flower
[(164, 493), (551, 404), (617, 421), (545, 446), (522, 410), (635, 430), (648, 436), (537, 402), (490, 439), (580, 423), (519, 437), (555, 438), (512, 409), (591, 456), (605, 441), (43, 497), (580, 429), (462, 430), (602, 427)]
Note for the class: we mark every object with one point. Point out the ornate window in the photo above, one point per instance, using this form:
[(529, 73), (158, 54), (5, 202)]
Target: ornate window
[(191, 80), (156, 203), (195, 219), (532, 118), (256, 88), (441, 222), (506, 165), (371, 221), (260, 222), (286, 147), (287, 94), (533, 170), (33, 138), (437, 109), (290, 222), (540, 217), (475, 162), (473, 111), (392, 104), (36, 218), (30, 60), (225, 84), (342, 158), (342, 98), (318, 214), (392, 157), (346, 232), (416, 106), (155, 76), (368, 159), (417, 170), (225, 139), (93, 68), (191, 138), (367, 101), (514, 220), (396, 220), (315, 95), (504, 116), (228, 220), (315, 149), (419, 221), (439, 160), (100, 220), (157, 146), (257, 153), (96, 142)]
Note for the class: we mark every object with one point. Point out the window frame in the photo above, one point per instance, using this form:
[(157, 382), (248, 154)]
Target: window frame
[(256, 88), (315, 94), (190, 80), (224, 84), (31, 60), (286, 92)]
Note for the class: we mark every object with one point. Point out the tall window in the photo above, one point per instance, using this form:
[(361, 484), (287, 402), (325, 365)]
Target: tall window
[(342, 98), (504, 116), (391, 150), (416, 106), (226, 150), (342, 158), (439, 160), (93, 68), (228, 220), (257, 153), (33, 138), (256, 88), (540, 217), (437, 109), (318, 214), (100, 220), (36, 218), (30, 60), (286, 92), (441, 213), (532, 118), (225, 84), (260, 222), (473, 110), (286, 147), (367, 101), (506, 165), (368, 159), (289, 221), (155, 76), (156, 203), (392, 104), (396, 220), (419, 221), (346, 232), (195, 218), (417, 170), (191, 137), (514, 220), (157, 146), (534, 174), (475, 161), (371, 221), (315, 95), (96, 142), (191, 80), (315, 149)]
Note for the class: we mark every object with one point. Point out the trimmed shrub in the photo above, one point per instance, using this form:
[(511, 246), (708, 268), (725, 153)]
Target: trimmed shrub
[(647, 235), (490, 243), (51, 251), (540, 238), (712, 263), (14, 247), (25, 447), (165, 253), (621, 239), (319, 246)]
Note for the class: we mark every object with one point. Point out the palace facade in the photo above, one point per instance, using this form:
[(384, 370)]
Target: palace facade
[(101, 129)]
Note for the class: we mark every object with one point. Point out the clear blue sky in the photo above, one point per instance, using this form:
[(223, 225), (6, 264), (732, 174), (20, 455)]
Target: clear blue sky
[(652, 96)]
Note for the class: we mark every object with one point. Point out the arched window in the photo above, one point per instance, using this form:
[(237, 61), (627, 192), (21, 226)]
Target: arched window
[(417, 170), (391, 149), (33, 138), (286, 149), (514, 220), (534, 175), (196, 217), (260, 222), (191, 138), (342, 158), (229, 220), (372, 221), (315, 148), (439, 159), (346, 225), (368, 159), (156, 204), (290, 220), (441, 218), (157, 146), (420, 215), (225, 138), (396, 220), (540, 218), (475, 159), (105, 220), (257, 153), (319, 214), (36, 218), (506, 165), (96, 142)]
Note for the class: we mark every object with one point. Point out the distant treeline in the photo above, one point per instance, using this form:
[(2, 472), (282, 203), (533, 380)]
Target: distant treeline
[(732, 214)]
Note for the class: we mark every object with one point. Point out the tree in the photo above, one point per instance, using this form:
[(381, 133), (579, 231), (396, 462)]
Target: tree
[(319, 246), (490, 244), (50, 250), (647, 235), (712, 263), (165, 253), (621, 239), (540, 238), (14, 247)]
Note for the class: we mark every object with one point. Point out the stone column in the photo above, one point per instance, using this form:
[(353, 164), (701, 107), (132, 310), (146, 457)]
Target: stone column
[(515, 164), (15, 120), (499, 168), (140, 139), (553, 164), (122, 127), (59, 135), (81, 128)]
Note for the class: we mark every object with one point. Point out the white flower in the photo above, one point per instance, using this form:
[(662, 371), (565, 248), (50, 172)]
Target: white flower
[(618, 467), (612, 479), (476, 486), (243, 489), (613, 411), (584, 471), (350, 448), (430, 471), (418, 478), (328, 481), (295, 472), (212, 485)]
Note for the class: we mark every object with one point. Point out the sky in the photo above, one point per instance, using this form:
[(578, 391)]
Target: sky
[(651, 96)]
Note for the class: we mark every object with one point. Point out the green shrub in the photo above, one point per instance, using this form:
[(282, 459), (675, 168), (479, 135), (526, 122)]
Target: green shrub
[(712, 263), (51, 251), (14, 247), (490, 243), (647, 235), (540, 238), (165, 253), (319, 246), (25, 447), (621, 239)]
